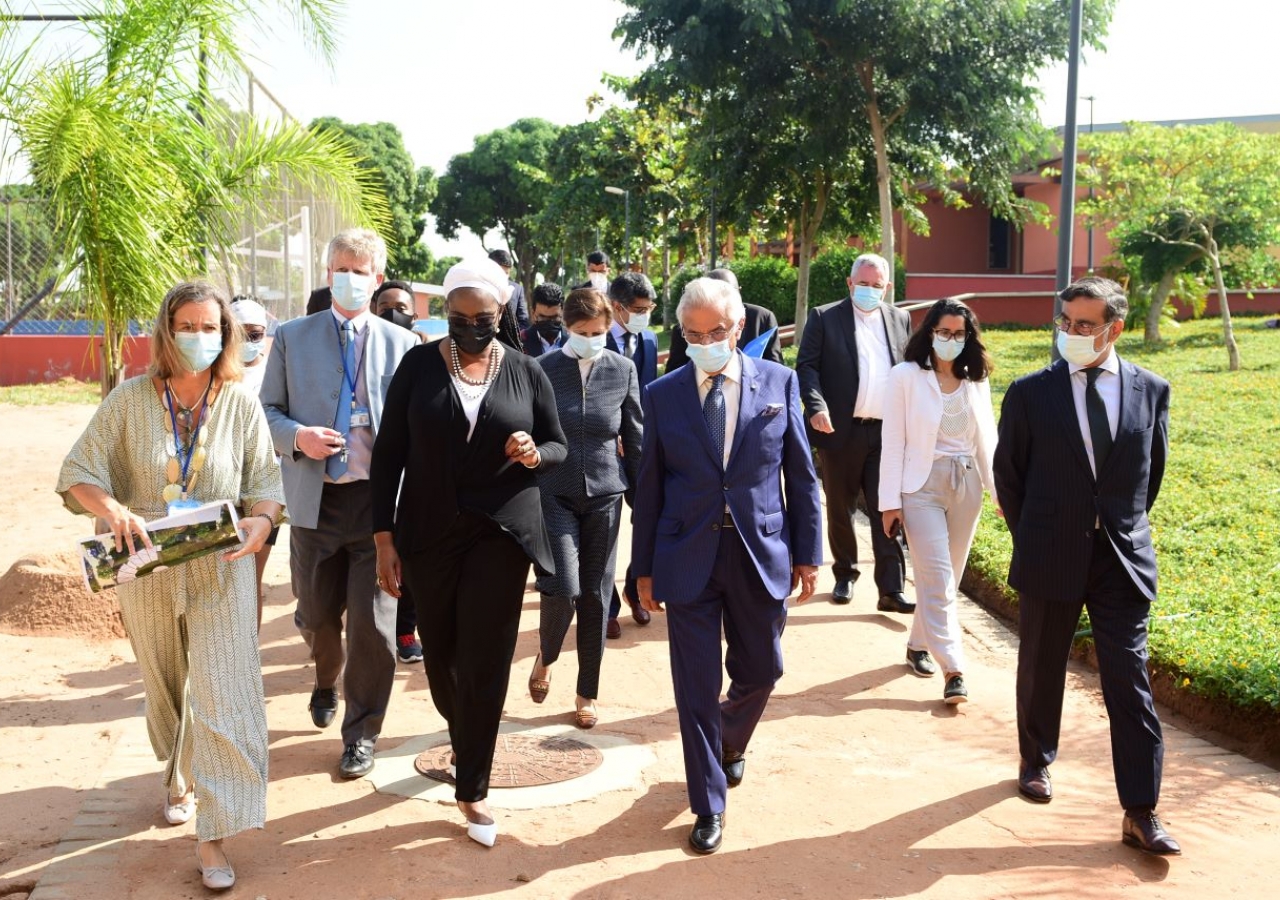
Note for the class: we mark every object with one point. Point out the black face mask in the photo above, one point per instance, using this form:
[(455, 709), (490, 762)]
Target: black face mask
[(550, 330), (472, 339), (396, 317)]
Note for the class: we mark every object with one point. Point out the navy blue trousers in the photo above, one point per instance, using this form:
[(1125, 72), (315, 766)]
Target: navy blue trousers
[(1118, 614), (735, 600)]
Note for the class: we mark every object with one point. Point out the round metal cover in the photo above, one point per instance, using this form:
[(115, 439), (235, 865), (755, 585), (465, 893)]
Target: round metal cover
[(521, 760)]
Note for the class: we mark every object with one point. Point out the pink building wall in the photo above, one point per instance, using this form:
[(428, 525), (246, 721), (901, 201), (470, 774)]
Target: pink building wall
[(1040, 243)]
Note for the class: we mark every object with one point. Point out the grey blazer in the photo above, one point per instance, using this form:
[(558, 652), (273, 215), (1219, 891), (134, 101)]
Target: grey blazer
[(593, 417), (300, 389)]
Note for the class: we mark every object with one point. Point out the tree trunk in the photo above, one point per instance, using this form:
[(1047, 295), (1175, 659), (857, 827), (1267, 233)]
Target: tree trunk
[(810, 222), (1228, 335), (880, 142), (112, 371), (1151, 330), (668, 309)]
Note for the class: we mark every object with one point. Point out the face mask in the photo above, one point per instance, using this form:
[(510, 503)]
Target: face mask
[(867, 298), (637, 323), (947, 350), (397, 317), (198, 350), (472, 339), (1077, 349), (549, 330), (711, 358), (249, 350), (351, 291), (587, 347), (599, 281)]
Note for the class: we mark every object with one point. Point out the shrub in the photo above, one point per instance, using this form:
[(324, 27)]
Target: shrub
[(830, 269)]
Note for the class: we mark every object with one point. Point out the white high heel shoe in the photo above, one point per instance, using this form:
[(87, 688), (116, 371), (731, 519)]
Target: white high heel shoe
[(483, 834), (215, 878)]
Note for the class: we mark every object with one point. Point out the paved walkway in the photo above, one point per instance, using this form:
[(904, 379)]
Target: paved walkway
[(861, 783)]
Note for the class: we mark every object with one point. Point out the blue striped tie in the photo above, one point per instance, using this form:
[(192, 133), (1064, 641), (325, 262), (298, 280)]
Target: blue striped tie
[(713, 412), (336, 466)]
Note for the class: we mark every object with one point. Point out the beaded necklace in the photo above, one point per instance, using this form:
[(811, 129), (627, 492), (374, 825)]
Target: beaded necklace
[(467, 386)]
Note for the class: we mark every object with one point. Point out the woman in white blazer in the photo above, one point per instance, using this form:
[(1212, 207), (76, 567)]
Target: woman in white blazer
[(939, 435)]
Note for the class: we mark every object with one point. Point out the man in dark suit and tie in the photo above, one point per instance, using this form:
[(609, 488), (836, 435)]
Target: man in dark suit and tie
[(323, 391), (1078, 465), (758, 321), (846, 352), (546, 332), (727, 523)]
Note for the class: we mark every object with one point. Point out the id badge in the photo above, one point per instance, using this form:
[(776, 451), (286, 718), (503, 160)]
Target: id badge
[(360, 417), (178, 506)]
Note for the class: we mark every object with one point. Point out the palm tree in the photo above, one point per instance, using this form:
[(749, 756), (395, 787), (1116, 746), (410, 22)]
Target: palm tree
[(146, 179)]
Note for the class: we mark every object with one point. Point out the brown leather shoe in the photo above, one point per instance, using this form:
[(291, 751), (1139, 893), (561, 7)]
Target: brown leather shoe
[(1034, 783), (613, 629), (639, 613), (1142, 829)]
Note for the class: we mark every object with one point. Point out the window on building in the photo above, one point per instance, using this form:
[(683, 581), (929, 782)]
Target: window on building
[(999, 243)]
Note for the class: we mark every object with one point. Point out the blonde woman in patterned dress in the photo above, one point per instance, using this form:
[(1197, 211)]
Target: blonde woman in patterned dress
[(939, 436), (193, 627)]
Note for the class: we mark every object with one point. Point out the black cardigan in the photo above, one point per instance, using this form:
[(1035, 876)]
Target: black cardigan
[(423, 436)]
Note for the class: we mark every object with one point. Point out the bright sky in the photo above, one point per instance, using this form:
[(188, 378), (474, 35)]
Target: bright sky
[(445, 71)]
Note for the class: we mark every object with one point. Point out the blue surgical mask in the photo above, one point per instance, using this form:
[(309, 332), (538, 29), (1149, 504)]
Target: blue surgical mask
[(866, 297), (351, 291), (637, 322), (585, 347), (249, 351), (199, 351), (711, 358), (947, 350), (1078, 348)]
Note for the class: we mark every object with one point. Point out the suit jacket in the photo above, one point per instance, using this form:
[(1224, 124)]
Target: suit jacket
[(646, 356), (518, 305), (1049, 495), (909, 438), (769, 484), (828, 365), (758, 321), (301, 387), (533, 342), (593, 416)]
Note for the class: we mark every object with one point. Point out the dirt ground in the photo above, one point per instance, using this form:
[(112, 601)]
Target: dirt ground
[(860, 783)]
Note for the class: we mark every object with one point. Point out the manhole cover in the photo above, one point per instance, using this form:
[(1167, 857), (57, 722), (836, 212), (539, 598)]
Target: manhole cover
[(521, 760)]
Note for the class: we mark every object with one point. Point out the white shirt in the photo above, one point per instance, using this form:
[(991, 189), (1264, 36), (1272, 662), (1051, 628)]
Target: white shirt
[(359, 440), (1109, 388), (874, 363), (584, 365), (731, 387), (958, 430)]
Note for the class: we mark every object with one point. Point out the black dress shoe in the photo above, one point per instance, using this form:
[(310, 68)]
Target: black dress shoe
[(613, 629), (1034, 783), (706, 834), (842, 593), (323, 706), (357, 761), (1142, 829), (895, 602), (639, 614), (735, 766)]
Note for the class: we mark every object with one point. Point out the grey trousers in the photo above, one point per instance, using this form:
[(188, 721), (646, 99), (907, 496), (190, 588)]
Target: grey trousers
[(334, 568)]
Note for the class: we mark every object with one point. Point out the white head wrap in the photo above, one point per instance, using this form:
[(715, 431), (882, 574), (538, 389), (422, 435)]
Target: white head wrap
[(483, 275), (249, 312)]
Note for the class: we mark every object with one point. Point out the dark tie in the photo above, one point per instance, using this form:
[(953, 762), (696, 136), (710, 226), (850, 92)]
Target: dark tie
[(713, 412), (629, 345), (336, 466), (1099, 427)]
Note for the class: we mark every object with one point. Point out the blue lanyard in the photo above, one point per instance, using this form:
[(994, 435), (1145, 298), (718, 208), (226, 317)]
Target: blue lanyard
[(184, 459), (348, 375)]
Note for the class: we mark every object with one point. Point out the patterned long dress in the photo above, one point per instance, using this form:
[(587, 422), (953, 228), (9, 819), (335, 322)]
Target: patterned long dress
[(193, 627)]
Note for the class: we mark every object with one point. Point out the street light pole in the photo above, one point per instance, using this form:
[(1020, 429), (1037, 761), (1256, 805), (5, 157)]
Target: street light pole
[(1089, 251), (1067, 205), (626, 241)]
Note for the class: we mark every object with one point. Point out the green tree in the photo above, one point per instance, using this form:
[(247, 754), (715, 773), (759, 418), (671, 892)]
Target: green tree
[(501, 183), (1174, 199), (145, 179), (409, 191)]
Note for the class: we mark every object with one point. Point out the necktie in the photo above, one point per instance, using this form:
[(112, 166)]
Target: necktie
[(336, 466), (713, 412), (1099, 427), (629, 345)]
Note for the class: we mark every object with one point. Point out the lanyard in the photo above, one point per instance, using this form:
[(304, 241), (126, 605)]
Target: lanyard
[(349, 375), (184, 458)]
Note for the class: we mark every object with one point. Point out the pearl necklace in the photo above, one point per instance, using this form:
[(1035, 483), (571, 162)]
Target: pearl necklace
[(461, 378)]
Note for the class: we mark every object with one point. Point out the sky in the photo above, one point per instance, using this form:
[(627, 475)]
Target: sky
[(445, 71)]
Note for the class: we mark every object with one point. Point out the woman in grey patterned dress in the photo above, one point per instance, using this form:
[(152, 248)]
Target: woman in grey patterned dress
[(188, 431)]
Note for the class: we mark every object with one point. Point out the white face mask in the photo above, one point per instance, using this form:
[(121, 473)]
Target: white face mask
[(637, 322), (199, 351), (711, 358), (947, 350), (585, 347), (249, 350), (866, 297), (599, 281), (351, 291), (1078, 350)]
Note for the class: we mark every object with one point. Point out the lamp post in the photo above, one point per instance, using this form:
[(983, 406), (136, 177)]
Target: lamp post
[(1067, 207), (626, 241), (1089, 245)]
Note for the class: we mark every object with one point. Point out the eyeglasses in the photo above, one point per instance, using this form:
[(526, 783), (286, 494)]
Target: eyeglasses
[(943, 335), (710, 337), (254, 335), (1085, 329), (477, 322)]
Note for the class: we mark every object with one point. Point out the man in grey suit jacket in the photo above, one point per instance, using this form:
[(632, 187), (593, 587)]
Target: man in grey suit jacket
[(323, 392)]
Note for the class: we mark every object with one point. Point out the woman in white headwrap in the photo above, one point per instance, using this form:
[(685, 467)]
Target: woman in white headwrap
[(467, 423)]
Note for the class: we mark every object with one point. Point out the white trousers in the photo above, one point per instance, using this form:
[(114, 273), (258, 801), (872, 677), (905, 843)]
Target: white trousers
[(940, 520)]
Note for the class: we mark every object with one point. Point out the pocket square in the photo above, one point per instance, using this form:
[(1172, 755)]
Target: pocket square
[(771, 410)]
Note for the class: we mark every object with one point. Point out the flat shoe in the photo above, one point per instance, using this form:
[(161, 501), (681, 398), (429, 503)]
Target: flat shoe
[(585, 718), (180, 812), (215, 878), (538, 687)]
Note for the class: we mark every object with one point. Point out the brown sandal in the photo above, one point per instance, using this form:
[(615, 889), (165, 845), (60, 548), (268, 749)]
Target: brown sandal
[(538, 687)]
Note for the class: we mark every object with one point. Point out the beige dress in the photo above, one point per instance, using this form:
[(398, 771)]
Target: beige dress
[(193, 627)]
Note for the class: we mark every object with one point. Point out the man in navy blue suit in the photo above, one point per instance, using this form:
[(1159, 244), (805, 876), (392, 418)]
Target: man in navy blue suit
[(633, 299), (1077, 468), (727, 522)]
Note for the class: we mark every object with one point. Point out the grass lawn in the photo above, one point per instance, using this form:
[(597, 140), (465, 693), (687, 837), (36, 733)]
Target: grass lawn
[(1216, 523), (66, 390)]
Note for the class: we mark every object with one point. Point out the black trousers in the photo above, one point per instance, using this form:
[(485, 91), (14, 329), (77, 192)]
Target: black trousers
[(854, 469), (1118, 614), (406, 612), (469, 589)]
